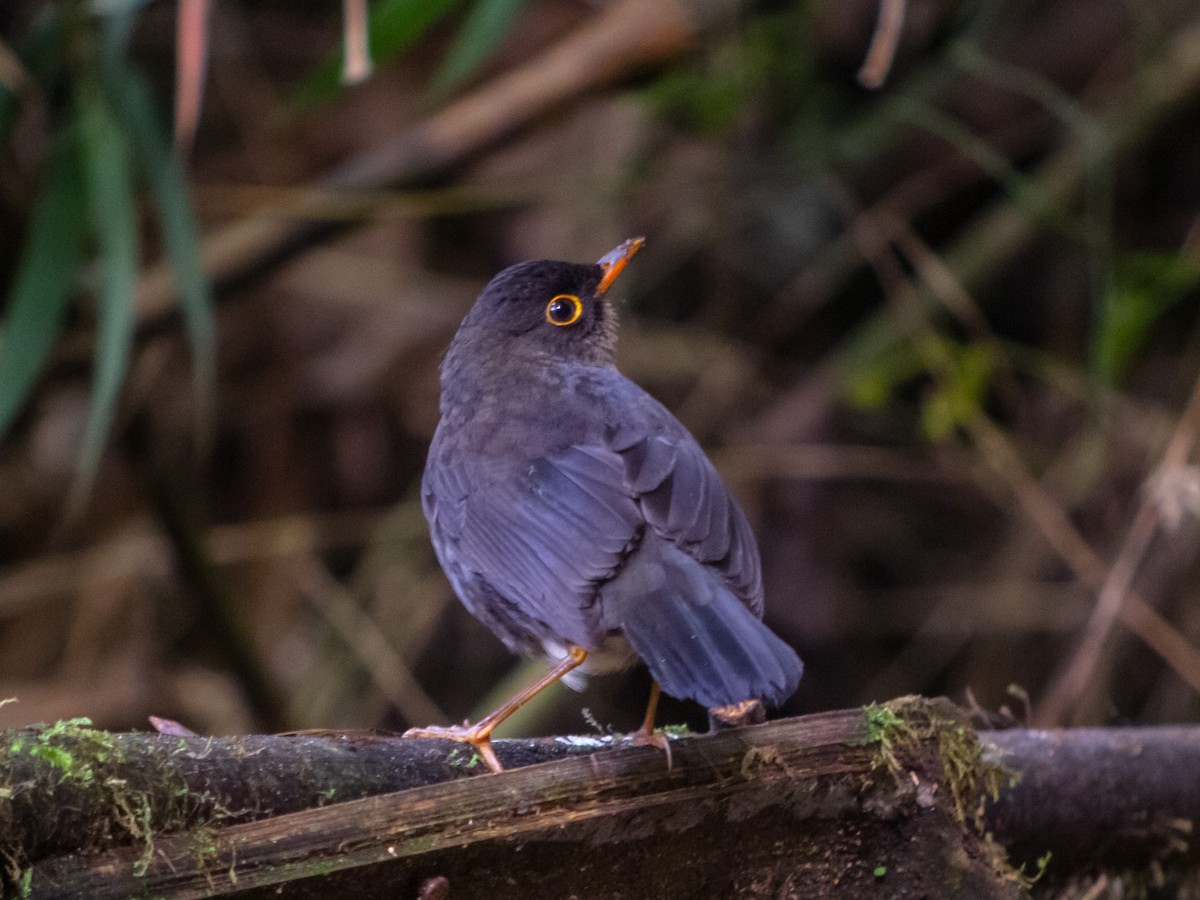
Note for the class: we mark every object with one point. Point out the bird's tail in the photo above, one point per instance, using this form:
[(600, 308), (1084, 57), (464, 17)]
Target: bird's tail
[(696, 636)]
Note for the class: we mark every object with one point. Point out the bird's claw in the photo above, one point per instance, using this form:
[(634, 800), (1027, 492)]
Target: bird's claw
[(644, 737), (478, 737)]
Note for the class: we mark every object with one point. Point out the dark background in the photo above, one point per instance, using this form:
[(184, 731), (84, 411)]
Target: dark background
[(937, 337)]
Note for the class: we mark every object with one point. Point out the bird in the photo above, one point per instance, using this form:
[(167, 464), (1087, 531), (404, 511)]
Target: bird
[(577, 518)]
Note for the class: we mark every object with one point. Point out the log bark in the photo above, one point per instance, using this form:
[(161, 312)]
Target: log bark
[(854, 803), (1112, 798)]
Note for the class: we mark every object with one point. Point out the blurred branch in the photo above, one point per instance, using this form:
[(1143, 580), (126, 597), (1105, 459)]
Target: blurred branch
[(13, 76), (1170, 81), (624, 37), (872, 230), (1074, 676), (142, 551), (191, 61), (1141, 618), (884, 41), (911, 316), (324, 204), (390, 673), (207, 588), (356, 51)]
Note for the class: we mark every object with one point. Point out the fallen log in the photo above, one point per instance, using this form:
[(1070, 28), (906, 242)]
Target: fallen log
[(887, 800)]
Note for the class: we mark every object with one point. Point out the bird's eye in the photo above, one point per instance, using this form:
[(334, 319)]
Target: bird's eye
[(565, 309)]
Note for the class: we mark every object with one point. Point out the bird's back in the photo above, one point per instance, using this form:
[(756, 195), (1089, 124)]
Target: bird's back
[(608, 522)]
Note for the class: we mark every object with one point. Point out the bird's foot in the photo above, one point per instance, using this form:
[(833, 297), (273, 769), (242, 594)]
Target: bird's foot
[(649, 737), (735, 715), (478, 736)]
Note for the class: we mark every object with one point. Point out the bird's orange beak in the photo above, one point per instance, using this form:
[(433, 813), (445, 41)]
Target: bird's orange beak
[(615, 260)]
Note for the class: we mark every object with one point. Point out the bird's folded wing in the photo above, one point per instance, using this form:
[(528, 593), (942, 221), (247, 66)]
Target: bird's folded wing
[(546, 536), (685, 502), (550, 534)]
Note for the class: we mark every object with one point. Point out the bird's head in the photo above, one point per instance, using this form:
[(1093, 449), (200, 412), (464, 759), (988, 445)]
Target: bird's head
[(548, 310)]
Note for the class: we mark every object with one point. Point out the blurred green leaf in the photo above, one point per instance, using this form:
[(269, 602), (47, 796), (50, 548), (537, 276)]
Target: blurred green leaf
[(161, 169), (1145, 286), (394, 26), (482, 32), (878, 362), (117, 7), (112, 212), (44, 278), (960, 392), (875, 362), (766, 71)]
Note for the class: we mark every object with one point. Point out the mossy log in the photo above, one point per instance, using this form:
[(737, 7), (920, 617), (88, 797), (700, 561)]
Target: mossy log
[(856, 803)]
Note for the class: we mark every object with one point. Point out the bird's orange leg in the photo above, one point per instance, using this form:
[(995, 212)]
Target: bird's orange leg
[(646, 734), (479, 735)]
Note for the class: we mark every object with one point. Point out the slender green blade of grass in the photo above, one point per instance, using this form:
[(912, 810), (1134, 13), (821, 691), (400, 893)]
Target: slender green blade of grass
[(161, 169), (1146, 287), (45, 276), (486, 25), (112, 213)]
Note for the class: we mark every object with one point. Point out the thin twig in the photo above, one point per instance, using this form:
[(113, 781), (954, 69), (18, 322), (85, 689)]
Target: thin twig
[(884, 41), (357, 63), (1072, 679), (1141, 618), (191, 61), (390, 674), (14, 77)]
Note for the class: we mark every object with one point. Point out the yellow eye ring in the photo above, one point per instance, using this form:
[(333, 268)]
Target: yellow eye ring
[(564, 309)]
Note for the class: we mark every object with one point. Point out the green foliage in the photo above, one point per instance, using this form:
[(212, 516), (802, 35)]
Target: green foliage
[(767, 71), (105, 139), (72, 747), (883, 724), (464, 757), (1043, 862), (958, 395), (395, 25), (485, 27), (73, 753), (876, 364), (881, 361), (168, 187), (112, 209), (898, 728), (45, 277), (40, 51), (1146, 286)]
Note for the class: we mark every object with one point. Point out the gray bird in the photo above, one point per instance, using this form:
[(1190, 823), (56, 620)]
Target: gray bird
[(577, 518)]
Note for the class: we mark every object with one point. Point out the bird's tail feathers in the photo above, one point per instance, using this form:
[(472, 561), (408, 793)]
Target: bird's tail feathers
[(698, 638)]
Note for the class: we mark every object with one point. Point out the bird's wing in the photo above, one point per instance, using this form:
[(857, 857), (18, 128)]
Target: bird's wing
[(683, 499), (546, 535), (543, 537)]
